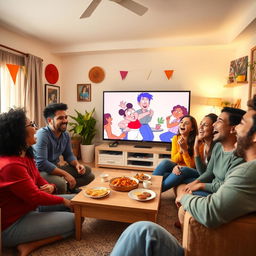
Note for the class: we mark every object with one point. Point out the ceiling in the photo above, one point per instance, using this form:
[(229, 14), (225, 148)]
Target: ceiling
[(166, 23)]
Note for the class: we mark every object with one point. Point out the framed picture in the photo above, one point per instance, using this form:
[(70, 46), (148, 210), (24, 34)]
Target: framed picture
[(84, 92), (238, 70), (252, 67), (52, 94)]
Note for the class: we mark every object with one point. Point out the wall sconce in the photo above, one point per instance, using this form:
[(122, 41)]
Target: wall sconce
[(214, 102)]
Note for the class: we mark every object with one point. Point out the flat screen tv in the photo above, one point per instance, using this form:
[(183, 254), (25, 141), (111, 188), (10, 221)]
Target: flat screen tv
[(149, 116)]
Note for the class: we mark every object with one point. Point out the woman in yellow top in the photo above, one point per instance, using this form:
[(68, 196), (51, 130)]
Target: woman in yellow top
[(172, 171)]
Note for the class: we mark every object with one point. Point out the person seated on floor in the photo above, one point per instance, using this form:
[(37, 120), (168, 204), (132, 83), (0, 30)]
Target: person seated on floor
[(175, 174), (182, 152), (31, 215), (235, 198), (54, 141)]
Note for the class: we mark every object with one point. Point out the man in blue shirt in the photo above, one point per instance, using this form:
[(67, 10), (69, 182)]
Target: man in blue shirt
[(54, 141)]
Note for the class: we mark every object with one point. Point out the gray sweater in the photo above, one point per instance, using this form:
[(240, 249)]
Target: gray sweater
[(235, 198)]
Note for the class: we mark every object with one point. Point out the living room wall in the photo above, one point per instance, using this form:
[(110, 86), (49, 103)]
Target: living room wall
[(201, 69)]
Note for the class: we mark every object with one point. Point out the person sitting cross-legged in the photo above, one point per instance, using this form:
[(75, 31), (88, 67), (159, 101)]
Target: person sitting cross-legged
[(31, 215), (54, 141), (235, 198)]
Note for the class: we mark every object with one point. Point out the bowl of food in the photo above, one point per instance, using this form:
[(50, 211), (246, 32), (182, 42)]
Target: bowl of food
[(123, 183), (142, 176)]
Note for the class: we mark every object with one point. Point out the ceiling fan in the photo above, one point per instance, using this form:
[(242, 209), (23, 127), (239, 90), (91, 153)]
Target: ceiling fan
[(128, 4)]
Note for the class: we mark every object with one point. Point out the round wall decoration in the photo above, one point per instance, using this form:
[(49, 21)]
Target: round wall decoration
[(51, 74), (96, 74)]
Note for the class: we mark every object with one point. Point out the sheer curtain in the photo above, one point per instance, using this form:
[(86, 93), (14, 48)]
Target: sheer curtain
[(11, 95), (27, 92)]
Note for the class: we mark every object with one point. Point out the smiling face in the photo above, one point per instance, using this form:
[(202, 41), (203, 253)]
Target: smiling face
[(177, 113), (131, 115), (245, 140), (144, 103), (185, 126), (222, 128), (205, 130), (30, 133), (60, 121)]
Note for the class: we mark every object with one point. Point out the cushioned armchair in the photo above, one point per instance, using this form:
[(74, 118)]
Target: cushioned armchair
[(237, 238)]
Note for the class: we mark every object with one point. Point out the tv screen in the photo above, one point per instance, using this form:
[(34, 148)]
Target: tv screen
[(150, 116)]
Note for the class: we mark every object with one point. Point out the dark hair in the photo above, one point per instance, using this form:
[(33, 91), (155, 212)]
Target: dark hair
[(51, 109), (212, 116), (192, 134), (122, 111), (105, 121), (252, 105), (235, 115), (13, 133), (184, 109)]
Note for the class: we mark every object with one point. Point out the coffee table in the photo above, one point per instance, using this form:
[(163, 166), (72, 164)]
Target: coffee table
[(117, 206)]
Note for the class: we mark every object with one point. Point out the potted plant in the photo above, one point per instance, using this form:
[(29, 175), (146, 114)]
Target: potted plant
[(160, 121), (85, 127)]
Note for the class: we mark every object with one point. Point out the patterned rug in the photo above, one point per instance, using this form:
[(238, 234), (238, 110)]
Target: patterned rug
[(99, 236)]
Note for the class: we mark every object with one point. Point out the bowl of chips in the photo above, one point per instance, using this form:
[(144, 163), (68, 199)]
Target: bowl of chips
[(123, 183)]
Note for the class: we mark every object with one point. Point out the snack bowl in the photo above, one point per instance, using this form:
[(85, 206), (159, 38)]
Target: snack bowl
[(124, 183)]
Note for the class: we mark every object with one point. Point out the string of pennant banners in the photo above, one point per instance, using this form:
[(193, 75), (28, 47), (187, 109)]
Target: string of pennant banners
[(13, 69)]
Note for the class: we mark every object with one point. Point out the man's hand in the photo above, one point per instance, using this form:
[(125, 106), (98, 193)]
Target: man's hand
[(80, 168), (178, 198), (48, 188), (176, 170), (70, 179), (194, 187)]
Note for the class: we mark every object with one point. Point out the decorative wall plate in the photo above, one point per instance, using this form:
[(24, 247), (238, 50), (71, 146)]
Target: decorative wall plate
[(96, 74), (51, 74)]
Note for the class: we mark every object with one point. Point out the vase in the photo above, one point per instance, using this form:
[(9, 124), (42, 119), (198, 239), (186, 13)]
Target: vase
[(240, 78), (87, 153)]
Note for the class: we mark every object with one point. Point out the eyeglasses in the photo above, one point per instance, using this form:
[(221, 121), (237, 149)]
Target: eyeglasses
[(32, 124)]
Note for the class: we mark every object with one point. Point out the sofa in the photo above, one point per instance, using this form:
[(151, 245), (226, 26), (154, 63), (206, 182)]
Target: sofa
[(237, 238)]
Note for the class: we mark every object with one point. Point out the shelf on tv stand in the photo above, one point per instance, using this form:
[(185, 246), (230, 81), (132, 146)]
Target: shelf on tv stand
[(129, 157)]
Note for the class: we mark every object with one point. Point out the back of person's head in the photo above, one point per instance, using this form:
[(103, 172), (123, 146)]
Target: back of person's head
[(212, 116), (13, 132), (51, 109), (252, 105), (235, 115)]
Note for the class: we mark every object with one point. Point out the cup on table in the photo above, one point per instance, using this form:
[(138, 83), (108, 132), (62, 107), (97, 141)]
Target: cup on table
[(147, 183), (104, 177)]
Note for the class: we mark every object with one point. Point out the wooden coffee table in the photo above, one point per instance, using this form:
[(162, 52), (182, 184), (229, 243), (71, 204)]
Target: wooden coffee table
[(117, 206)]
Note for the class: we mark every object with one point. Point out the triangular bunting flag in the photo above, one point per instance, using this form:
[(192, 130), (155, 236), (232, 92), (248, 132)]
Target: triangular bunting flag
[(149, 74), (13, 69), (168, 73), (123, 74)]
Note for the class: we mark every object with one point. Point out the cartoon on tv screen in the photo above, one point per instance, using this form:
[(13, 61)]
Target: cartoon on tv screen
[(143, 116)]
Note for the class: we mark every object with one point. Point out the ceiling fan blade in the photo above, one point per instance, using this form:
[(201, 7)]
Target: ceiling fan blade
[(132, 6), (89, 10)]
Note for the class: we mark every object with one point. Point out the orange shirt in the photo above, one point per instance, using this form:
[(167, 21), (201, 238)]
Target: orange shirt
[(183, 159)]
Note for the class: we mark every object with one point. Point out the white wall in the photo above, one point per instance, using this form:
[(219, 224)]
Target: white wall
[(201, 69)]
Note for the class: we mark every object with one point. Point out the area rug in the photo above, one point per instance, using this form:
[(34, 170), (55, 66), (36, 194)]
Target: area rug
[(100, 236)]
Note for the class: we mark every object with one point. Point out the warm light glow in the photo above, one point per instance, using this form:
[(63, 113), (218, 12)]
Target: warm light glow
[(215, 102)]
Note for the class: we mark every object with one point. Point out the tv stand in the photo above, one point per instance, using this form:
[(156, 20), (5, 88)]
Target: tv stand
[(130, 157), (142, 146)]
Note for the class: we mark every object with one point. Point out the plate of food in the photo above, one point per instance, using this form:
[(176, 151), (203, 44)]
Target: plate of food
[(142, 176), (123, 183), (96, 192), (142, 194)]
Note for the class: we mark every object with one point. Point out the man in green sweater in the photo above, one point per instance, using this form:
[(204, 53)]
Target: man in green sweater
[(222, 157), (235, 198)]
